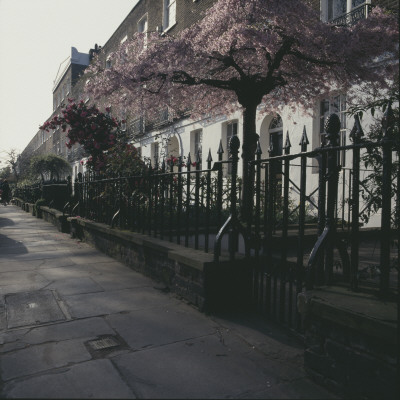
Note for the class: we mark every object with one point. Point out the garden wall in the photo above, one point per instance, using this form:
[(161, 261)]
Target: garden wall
[(351, 342), (191, 274)]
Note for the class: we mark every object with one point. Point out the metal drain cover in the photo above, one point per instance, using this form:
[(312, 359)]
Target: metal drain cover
[(104, 343), (32, 308)]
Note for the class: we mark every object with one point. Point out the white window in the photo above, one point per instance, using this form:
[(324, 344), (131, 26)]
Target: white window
[(142, 25), (196, 145), (169, 13), (108, 62), (124, 39), (142, 28), (155, 154), (336, 8), (275, 131), (231, 130)]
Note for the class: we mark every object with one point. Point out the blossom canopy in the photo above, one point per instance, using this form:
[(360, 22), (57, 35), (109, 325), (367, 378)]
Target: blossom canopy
[(274, 52)]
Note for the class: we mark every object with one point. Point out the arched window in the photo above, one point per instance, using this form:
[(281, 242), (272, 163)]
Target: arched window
[(275, 131)]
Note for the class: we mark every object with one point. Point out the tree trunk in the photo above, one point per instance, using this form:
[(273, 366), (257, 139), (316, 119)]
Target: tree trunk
[(249, 147)]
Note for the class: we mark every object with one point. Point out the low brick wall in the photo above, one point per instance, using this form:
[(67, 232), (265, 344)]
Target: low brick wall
[(18, 202), (350, 342), (192, 274), (30, 208), (55, 217)]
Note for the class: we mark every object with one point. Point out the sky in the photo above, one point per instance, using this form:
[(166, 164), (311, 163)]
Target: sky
[(36, 36)]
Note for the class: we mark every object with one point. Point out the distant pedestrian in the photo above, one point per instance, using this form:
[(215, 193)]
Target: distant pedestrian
[(5, 192)]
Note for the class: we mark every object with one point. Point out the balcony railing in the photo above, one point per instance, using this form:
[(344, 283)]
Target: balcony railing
[(357, 13), (136, 127)]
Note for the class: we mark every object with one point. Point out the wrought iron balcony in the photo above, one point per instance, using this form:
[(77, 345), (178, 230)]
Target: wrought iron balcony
[(357, 13), (136, 128)]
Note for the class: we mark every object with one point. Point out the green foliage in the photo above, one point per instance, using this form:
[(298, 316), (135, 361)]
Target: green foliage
[(124, 159), (371, 184), (5, 173), (51, 165)]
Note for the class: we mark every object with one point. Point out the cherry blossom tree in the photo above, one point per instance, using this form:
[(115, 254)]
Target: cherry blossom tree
[(96, 131), (247, 55)]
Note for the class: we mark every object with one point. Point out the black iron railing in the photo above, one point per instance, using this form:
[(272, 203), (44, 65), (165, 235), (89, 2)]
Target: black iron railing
[(333, 251), (179, 201), (28, 193), (54, 194), (290, 249)]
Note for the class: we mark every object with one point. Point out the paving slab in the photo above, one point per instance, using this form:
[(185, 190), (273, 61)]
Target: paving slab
[(42, 357), (115, 281), (64, 272), (198, 368), (68, 286), (95, 304), (20, 277), (86, 328), (96, 379), (40, 255), (153, 327)]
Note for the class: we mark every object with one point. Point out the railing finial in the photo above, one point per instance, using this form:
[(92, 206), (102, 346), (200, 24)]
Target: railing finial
[(357, 131), (258, 150), (288, 145), (220, 148), (209, 158), (332, 128), (304, 140)]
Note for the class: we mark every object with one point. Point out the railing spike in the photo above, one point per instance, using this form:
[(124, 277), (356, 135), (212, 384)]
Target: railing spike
[(357, 131), (220, 148), (209, 158), (258, 150), (288, 145), (304, 139)]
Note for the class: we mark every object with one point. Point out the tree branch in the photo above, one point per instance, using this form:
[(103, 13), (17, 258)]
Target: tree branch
[(310, 59)]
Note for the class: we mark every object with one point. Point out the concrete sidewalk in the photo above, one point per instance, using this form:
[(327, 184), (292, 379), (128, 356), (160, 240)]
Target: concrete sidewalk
[(74, 323)]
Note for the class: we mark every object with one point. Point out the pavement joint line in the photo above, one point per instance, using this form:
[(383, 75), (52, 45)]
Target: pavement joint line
[(51, 371), (124, 378), (62, 305)]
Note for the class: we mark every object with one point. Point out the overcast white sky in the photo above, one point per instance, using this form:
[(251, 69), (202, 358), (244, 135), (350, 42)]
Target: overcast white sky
[(35, 37)]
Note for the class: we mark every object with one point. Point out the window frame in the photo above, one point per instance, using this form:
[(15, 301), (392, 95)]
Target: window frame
[(169, 22)]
